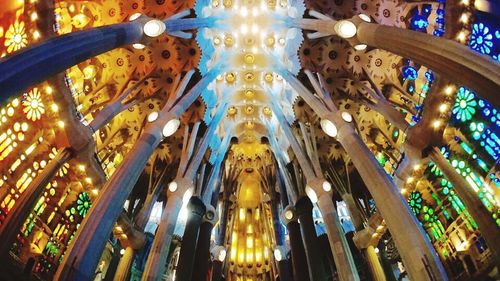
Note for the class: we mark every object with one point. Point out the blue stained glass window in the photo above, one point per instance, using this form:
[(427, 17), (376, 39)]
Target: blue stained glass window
[(410, 73), (481, 38)]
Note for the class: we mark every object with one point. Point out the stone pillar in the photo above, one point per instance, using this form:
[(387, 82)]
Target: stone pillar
[(487, 226), (202, 255), (303, 210), (356, 218), (123, 269), (417, 252), (278, 231), (374, 264), (344, 262), (26, 202), (140, 222), (80, 261), (39, 62), (284, 270), (217, 270), (157, 259), (299, 261), (421, 261), (449, 58), (189, 240)]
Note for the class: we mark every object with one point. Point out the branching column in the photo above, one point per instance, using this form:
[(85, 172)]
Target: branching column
[(185, 264), (448, 58), (299, 261), (157, 259), (340, 249), (487, 226), (202, 255), (303, 210), (83, 254), (37, 63), (417, 252)]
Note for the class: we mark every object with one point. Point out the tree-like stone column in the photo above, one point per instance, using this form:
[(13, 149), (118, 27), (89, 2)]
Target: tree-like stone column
[(122, 272), (219, 253), (419, 257), (185, 264), (283, 265), (320, 188), (202, 255), (39, 62), (417, 252), (303, 210), (83, 254), (363, 240), (157, 259), (485, 222), (374, 264), (448, 58), (299, 261), (140, 223), (336, 238)]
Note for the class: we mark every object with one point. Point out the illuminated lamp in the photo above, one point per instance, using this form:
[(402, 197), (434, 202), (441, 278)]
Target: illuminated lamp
[(347, 116), (172, 187), (171, 127), (327, 186), (152, 116), (329, 128), (154, 28), (345, 29)]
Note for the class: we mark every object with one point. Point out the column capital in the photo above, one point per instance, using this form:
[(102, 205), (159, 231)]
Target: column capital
[(320, 186), (218, 253), (338, 124), (303, 206), (288, 215), (180, 187), (210, 215), (363, 238), (196, 206)]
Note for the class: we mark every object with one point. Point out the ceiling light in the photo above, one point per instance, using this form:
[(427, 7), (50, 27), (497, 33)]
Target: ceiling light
[(244, 29), (222, 255), (277, 254), (172, 187), (152, 116), (329, 128), (187, 195), (232, 110), (365, 17), (443, 108), (154, 28), (244, 12), (327, 186), (171, 127), (138, 46), (345, 29), (311, 194), (436, 124), (347, 116), (360, 47), (134, 16)]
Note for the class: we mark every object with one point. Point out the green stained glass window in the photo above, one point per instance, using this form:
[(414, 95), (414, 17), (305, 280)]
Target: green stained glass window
[(415, 202), (83, 203), (465, 105)]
